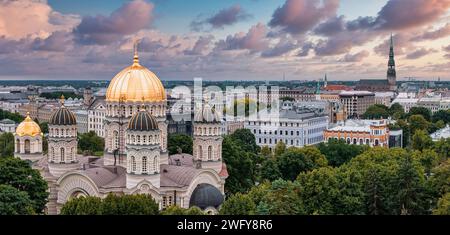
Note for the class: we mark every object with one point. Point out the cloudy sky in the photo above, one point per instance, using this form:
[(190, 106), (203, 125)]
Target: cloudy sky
[(224, 40)]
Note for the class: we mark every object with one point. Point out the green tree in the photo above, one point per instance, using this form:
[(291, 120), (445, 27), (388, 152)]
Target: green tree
[(424, 112), (270, 171), (319, 191), (90, 143), (280, 148), (181, 142), (14, 202), (20, 175), (176, 210), (139, 204), (57, 95), (421, 140), (296, 160), (6, 145), (82, 206), (238, 204), (44, 127), (16, 117), (441, 115), (240, 166), (339, 152), (375, 192), (396, 111), (442, 148), (376, 111), (410, 184), (418, 122), (282, 198), (443, 206), (246, 139), (266, 152), (440, 179), (428, 159)]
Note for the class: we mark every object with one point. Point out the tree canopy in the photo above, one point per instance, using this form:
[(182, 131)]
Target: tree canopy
[(14, 201), (180, 142), (91, 144), (139, 204), (6, 145), (19, 174)]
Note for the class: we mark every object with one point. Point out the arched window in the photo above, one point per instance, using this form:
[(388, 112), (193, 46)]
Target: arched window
[(155, 164), (348, 141), (144, 139), (138, 139), (354, 141), (151, 139), (367, 141), (63, 157), (133, 164), (200, 152), (209, 131), (72, 154), (52, 154), (62, 132), (361, 141), (115, 140), (377, 142), (209, 153), (133, 140), (27, 146), (144, 165), (18, 146)]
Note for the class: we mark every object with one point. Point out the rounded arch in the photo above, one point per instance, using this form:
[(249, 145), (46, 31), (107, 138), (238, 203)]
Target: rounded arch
[(205, 176), (72, 183)]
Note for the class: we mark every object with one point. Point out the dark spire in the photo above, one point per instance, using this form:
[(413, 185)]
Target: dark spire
[(391, 64)]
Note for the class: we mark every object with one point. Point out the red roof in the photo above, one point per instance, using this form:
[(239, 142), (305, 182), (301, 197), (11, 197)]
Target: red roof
[(224, 172), (338, 88)]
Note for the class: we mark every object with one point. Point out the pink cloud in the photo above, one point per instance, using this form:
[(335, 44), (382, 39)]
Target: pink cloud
[(128, 19), (300, 16)]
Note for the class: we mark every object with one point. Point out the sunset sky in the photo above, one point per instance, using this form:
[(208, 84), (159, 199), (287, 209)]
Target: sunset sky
[(224, 40)]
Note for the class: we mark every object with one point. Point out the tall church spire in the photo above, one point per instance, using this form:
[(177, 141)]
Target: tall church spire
[(391, 73)]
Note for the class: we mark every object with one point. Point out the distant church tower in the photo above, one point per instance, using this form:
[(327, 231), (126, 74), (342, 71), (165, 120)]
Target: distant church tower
[(391, 73), (62, 141), (88, 96), (207, 149)]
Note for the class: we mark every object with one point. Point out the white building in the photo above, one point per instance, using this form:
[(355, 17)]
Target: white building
[(82, 120), (12, 106), (384, 98), (406, 103), (443, 133), (8, 126), (296, 127), (97, 116)]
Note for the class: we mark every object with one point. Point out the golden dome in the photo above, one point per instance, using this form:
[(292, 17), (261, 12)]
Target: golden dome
[(136, 84), (28, 127)]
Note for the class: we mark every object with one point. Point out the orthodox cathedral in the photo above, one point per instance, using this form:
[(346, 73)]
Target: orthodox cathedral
[(136, 160)]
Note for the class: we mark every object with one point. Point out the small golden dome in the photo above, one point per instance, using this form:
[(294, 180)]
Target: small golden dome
[(135, 84), (28, 127)]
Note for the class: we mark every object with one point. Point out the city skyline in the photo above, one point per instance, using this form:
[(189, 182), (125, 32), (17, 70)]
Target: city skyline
[(225, 40)]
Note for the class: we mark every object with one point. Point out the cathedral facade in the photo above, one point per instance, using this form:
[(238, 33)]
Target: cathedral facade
[(136, 159)]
